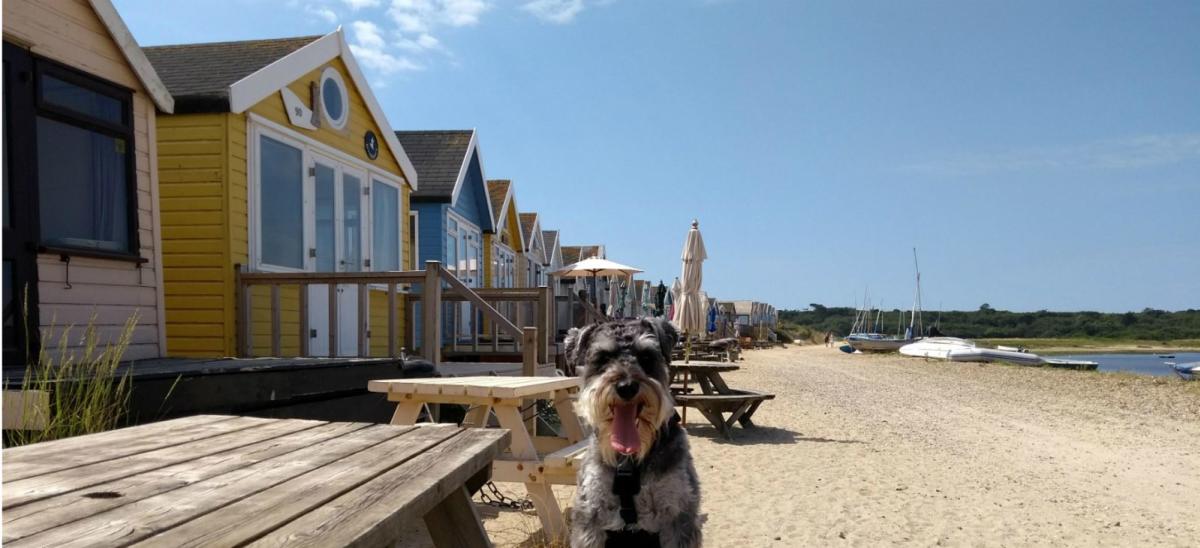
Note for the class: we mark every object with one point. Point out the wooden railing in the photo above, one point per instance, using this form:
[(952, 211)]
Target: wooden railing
[(437, 286)]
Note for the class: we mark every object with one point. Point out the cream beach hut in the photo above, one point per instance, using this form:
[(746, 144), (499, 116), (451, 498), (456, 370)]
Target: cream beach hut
[(82, 222)]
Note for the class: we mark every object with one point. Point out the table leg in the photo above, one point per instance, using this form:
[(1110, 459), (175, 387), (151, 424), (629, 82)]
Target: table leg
[(706, 384), (454, 522), (737, 414), (745, 419), (540, 492), (477, 417), (572, 428), (718, 383), (406, 413), (718, 421)]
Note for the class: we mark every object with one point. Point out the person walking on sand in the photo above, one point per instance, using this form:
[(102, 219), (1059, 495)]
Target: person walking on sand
[(828, 339)]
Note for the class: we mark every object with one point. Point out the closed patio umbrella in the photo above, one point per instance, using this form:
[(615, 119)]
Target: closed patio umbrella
[(689, 308), (647, 300)]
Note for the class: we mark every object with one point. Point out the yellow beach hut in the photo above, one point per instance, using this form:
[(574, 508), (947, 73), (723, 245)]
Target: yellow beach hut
[(500, 255), (278, 158)]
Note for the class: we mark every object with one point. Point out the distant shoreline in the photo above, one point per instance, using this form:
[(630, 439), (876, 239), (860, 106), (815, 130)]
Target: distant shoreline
[(1097, 346)]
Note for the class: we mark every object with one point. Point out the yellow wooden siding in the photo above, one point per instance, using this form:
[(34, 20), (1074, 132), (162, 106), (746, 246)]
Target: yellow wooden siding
[(203, 158), (198, 273), (488, 241)]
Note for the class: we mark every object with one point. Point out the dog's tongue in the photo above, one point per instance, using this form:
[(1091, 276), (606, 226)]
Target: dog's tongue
[(625, 437)]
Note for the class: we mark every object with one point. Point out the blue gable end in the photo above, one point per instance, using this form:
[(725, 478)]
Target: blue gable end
[(472, 201)]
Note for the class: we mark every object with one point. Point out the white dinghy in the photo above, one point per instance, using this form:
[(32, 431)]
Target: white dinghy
[(963, 350)]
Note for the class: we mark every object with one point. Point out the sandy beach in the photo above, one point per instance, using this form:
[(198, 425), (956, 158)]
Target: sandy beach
[(863, 450)]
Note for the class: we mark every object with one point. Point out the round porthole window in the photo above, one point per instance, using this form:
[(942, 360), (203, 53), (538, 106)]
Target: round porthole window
[(335, 102)]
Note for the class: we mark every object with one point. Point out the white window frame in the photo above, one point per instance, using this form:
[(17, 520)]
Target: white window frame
[(371, 180), (415, 226), (258, 126)]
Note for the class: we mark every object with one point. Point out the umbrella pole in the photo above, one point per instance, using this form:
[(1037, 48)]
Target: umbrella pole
[(687, 354)]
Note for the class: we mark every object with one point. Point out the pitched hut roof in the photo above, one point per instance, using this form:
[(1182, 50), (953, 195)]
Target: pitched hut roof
[(199, 76), (441, 158), (499, 192)]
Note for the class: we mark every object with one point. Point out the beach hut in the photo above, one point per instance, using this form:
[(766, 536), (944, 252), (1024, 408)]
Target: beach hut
[(82, 223), (534, 254), (453, 212), (278, 158), (452, 205), (499, 248), (554, 256)]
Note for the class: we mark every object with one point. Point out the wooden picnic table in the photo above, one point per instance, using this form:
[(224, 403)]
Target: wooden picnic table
[(212, 480), (536, 461), (716, 397)]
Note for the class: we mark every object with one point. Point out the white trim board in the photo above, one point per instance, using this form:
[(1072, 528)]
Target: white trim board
[(248, 91), (133, 54)]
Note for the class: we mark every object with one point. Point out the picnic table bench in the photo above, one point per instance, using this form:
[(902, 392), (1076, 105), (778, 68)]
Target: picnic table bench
[(536, 461), (717, 398), (212, 480)]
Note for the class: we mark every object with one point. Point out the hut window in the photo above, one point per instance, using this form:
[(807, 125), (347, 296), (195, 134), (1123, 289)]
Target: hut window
[(86, 184), (335, 102), (282, 215), (385, 221)]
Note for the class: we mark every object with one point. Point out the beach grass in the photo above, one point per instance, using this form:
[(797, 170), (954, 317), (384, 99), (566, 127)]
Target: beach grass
[(79, 388)]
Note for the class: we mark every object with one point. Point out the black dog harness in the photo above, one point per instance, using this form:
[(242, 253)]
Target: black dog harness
[(627, 483)]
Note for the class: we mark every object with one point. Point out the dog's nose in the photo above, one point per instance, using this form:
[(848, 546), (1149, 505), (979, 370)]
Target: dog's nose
[(627, 390)]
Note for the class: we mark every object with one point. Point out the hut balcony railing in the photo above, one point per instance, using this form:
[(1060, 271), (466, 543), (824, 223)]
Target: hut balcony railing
[(437, 286)]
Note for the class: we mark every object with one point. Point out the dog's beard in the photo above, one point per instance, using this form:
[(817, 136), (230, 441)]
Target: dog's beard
[(598, 406)]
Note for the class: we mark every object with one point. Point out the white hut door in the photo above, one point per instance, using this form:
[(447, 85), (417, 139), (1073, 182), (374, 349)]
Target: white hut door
[(339, 217)]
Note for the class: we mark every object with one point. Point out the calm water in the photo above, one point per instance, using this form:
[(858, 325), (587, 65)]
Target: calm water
[(1145, 364)]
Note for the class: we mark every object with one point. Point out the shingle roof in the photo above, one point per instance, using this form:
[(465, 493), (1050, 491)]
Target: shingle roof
[(438, 157), (199, 75), (575, 253), (497, 191), (550, 238), (528, 221)]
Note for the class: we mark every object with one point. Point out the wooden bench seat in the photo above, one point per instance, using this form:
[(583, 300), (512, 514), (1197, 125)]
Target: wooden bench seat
[(569, 456), (741, 407)]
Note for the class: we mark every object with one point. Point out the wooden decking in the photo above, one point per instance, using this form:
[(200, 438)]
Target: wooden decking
[(233, 481), (307, 388)]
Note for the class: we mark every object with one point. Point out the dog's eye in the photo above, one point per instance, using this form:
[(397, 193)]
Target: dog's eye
[(601, 356), (647, 359)]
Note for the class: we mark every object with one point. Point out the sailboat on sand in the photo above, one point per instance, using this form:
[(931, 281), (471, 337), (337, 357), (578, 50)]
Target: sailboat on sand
[(867, 341)]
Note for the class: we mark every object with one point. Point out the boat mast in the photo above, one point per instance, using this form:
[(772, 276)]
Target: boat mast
[(917, 300)]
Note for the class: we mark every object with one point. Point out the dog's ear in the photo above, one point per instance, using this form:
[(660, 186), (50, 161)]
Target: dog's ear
[(576, 341), (667, 336)]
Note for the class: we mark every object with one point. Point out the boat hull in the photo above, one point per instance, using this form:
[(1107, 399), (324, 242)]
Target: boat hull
[(877, 345)]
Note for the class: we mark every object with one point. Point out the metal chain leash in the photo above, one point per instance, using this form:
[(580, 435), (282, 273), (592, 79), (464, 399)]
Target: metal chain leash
[(491, 496)]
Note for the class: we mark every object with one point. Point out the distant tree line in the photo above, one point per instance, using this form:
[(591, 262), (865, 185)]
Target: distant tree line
[(989, 323)]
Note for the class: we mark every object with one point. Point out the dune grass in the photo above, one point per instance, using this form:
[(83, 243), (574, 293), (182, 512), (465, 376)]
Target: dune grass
[(83, 393)]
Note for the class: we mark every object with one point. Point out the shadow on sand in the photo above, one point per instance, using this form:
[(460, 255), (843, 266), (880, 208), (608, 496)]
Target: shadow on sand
[(757, 435)]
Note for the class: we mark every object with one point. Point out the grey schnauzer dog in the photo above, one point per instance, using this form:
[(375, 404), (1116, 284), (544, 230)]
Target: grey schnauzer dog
[(637, 484)]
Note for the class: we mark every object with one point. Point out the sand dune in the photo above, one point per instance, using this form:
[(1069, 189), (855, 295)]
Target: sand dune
[(874, 450)]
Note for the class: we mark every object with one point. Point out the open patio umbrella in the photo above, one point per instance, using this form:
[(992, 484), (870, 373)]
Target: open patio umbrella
[(689, 308), (595, 267)]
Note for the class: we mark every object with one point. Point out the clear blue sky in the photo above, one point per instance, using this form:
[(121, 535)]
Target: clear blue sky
[(1041, 155)]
